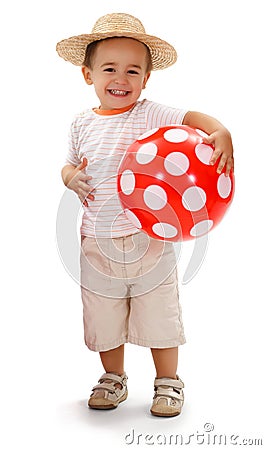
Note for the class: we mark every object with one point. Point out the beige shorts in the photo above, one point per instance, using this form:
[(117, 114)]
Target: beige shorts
[(130, 293)]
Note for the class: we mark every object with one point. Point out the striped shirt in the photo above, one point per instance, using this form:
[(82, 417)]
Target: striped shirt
[(103, 140)]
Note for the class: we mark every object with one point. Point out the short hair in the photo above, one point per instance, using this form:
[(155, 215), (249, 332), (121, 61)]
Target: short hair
[(91, 49)]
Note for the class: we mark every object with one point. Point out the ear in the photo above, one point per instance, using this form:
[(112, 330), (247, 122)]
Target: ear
[(147, 76), (87, 75)]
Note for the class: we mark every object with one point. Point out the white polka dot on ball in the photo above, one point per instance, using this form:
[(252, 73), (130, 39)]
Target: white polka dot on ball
[(194, 198), (148, 134), (164, 230), (176, 135), (146, 153), (155, 197), (204, 153), (127, 182), (133, 218), (224, 186), (176, 163), (201, 228)]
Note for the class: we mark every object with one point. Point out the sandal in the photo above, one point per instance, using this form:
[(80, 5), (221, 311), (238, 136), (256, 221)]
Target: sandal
[(168, 398), (106, 395)]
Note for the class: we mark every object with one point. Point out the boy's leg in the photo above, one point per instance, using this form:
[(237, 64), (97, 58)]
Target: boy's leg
[(112, 387), (113, 360), (165, 361), (168, 398)]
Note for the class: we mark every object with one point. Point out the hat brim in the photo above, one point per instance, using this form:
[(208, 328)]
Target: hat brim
[(73, 49)]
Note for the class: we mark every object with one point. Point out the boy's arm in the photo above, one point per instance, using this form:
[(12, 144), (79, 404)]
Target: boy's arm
[(219, 137), (75, 178)]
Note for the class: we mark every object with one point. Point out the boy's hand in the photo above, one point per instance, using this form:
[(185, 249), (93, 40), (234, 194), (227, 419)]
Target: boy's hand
[(78, 182), (223, 149), (219, 137)]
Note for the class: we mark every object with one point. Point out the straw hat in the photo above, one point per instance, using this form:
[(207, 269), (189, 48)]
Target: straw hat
[(117, 25)]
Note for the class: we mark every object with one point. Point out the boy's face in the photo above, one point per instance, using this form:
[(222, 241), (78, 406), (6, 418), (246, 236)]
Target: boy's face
[(118, 72)]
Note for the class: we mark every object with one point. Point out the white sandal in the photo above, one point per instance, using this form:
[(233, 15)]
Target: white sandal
[(106, 395), (168, 398)]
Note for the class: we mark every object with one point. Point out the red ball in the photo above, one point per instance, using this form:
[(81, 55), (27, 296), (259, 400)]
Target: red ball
[(167, 187)]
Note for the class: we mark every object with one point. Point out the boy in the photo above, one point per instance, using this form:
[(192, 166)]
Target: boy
[(128, 280)]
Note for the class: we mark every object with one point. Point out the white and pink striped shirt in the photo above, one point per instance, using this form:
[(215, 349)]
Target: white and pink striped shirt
[(103, 140)]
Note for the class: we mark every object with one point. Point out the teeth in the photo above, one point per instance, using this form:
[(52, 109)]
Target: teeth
[(117, 92)]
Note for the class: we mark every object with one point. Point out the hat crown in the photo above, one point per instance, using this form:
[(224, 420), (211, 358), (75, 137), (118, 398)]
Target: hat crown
[(118, 22)]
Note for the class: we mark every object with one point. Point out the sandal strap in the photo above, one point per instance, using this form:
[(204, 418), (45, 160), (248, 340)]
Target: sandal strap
[(105, 386), (169, 382), (168, 392), (110, 387), (122, 379)]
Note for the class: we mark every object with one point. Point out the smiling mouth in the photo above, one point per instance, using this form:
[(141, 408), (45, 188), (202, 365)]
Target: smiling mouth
[(118, 92)]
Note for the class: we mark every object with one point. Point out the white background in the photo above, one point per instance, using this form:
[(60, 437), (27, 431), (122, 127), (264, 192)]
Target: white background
[(45, 366)]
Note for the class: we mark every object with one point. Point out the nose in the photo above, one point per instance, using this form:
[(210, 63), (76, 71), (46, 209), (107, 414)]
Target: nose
[(120, 78)]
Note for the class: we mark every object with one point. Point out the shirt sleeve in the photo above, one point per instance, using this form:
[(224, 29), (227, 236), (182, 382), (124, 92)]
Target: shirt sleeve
[(158, 115), (72, 156)]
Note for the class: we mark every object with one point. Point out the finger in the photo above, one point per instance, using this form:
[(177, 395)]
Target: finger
[(85, 188), (86, 193), (83, 177), (214, 157), (83, 180), (221, 163), (233, 165), (83, 164), (84, 199), (83, 195), (229, 166)]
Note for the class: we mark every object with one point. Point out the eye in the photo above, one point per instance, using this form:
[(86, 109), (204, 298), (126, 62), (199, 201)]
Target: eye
[(109, 69), (133, 72)]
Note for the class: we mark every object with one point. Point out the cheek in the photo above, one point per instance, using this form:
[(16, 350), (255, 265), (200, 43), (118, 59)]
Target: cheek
[(139, 85), (99, 85)]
